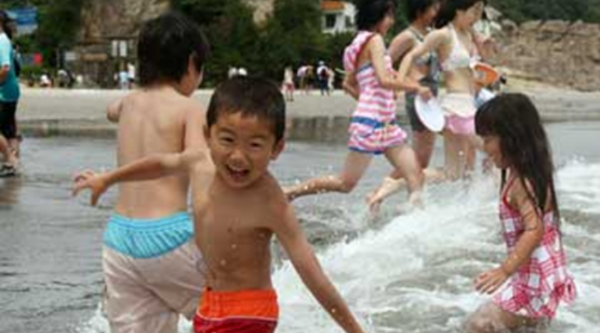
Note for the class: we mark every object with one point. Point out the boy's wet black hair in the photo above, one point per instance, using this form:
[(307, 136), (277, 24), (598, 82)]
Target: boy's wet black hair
[(450, 7), (416, 8), (252, 97), (371, 12), (165, 45), (523, 143)]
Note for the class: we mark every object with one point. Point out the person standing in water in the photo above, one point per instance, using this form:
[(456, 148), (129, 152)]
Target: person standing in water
[(421, 14), (373, 130), (9, 97), (152, 267), (533, 280)]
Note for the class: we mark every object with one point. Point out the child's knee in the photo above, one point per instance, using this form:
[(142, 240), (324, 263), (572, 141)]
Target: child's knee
[(348, 185), (487, 319)]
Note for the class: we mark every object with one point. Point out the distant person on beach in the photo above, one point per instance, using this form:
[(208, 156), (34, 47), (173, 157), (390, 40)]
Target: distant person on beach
[(245, 208), (123, 78), (152, 268), (305, 76), (288, 83), (46, 81), (9, 97), (323, 73), (131, 75), (373, 130), (533, 280)]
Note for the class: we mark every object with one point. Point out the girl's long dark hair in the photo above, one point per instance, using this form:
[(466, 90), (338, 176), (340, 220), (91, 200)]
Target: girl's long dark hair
[(523, 143), (449, 8)]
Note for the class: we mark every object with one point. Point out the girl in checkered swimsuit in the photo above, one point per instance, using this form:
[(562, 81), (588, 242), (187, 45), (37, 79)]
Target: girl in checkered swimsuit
[(533, 280)]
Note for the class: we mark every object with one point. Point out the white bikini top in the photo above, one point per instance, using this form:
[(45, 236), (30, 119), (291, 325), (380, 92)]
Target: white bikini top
[(459, 56)]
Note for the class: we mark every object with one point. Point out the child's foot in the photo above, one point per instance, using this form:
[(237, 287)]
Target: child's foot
[(414, 202), (387, 188), (8, 170)]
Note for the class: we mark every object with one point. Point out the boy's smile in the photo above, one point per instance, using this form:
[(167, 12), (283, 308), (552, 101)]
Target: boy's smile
[(241, 148)]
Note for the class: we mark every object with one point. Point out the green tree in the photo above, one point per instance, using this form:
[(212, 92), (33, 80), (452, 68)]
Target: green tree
[(292, 36), (230, 28)]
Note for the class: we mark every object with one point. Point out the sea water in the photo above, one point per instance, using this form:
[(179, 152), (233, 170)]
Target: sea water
[(408, 272)]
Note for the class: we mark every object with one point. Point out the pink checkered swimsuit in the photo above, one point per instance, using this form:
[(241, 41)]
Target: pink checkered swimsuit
[(540, 284), (373, 127)]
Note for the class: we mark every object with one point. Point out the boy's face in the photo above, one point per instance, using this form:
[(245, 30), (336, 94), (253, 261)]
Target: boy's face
[(241, 148)]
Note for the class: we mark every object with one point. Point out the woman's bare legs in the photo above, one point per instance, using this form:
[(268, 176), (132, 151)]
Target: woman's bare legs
[(407, 171), (423, 144), (354, 168)]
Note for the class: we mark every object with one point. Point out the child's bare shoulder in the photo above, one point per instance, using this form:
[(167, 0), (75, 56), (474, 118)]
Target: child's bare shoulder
[(273, 195)]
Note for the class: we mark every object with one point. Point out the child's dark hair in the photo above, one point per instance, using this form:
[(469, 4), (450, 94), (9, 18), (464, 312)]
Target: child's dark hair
[(252, 97), (371, 12), (523, 143), (5, 21), (416, 8), (450, 7), (165, 45)]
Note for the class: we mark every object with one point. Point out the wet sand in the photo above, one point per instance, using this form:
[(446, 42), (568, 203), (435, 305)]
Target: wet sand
[(311, 117)]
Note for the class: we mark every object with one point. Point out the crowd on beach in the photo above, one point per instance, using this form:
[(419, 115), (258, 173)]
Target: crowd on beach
[(213, 265)]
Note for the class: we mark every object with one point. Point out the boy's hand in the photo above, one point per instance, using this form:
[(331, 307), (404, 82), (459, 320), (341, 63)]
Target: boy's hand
[(491, 280), (94, 181)]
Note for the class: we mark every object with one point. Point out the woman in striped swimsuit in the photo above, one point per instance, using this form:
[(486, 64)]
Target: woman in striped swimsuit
[(373, 130), (533, 280)]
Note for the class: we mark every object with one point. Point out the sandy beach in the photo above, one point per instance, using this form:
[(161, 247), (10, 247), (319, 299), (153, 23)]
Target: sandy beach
[(311, 117)]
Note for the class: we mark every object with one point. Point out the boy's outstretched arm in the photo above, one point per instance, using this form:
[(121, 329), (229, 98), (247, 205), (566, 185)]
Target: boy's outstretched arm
[(151, 167), (113, 111), (292, 238)]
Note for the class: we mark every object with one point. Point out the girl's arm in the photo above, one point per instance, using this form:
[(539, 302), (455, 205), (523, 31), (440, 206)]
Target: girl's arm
[(431, 43), (401, 45), (534, 228), (490, 281), (385, 79), (350, 85)]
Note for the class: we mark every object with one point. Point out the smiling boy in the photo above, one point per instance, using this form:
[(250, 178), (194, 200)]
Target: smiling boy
[(245, 207)]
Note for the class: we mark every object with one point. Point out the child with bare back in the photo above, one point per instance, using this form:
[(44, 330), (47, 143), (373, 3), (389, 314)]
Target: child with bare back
[(244, 208), (150, 231)]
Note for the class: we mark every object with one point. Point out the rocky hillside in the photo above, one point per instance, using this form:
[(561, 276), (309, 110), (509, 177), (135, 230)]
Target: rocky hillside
[(118, 18), (556, 52)]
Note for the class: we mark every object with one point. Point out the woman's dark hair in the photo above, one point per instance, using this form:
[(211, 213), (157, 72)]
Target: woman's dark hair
[(450, 7), (371, 12), (165, 45), (5, 24), (416, 8), (523, 143), (252, 97)]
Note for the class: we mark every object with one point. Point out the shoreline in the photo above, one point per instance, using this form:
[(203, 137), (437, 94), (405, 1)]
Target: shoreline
[(312, 117)]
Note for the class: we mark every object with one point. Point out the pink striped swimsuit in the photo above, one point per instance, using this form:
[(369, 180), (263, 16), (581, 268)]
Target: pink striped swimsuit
[(540, 284), (373, 127)]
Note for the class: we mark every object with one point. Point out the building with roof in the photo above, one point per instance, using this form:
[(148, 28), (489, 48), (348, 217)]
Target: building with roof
[(338, 16)]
